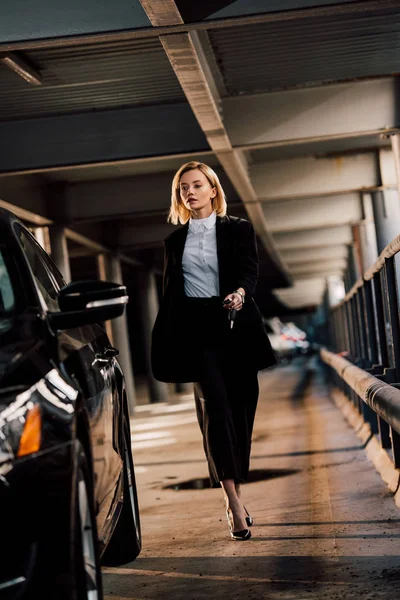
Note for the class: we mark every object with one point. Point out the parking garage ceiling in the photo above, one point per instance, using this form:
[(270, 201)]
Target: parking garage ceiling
[(291, 102)]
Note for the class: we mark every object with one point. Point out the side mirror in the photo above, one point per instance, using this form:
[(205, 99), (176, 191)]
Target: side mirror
[(86, 302)]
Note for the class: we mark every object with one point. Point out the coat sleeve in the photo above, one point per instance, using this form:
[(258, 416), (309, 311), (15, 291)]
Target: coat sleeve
[(248, 258)]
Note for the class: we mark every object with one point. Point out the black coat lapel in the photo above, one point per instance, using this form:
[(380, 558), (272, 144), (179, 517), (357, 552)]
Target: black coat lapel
[(222, 225), (179, 244)]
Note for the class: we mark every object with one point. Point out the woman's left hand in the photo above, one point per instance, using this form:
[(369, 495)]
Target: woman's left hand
[(236, 301)]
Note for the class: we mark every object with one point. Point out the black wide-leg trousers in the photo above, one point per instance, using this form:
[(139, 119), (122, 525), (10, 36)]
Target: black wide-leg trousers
[(226, 393)]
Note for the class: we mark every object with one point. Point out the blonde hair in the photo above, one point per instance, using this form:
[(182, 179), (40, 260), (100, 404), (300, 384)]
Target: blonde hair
[(178, 213)]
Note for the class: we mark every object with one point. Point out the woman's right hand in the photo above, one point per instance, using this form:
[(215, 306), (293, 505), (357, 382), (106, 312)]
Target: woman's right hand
[(233, 301)]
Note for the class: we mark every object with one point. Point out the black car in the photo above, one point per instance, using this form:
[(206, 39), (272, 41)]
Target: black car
[(67, 487)]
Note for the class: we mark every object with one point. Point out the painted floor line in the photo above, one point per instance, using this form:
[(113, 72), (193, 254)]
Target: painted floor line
[(168, 421), (175, 574), (153, 443), (150, 435)]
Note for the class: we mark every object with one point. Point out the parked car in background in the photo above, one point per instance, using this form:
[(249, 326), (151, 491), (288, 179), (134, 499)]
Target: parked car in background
[(291, 332), (286, 339), (67, 485)]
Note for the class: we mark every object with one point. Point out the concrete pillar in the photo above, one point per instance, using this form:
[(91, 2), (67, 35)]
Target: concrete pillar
[(336, 289), (148, 301), (102, 275), (386, 206), (395, 140), (59, 250), (42, 236), (386, 210), (119, 329), (352, 273), (368, 247)]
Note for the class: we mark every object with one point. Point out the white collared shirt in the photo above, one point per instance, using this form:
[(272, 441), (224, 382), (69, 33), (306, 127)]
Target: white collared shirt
[(200, 260)]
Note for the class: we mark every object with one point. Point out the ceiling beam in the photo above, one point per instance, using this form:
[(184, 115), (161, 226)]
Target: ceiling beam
[(297, 215), (311, 114), (162, 14), (190, 64), (322, 272), (312, 177), (26, 215), (323, 237), (325, 266), (302, 287), (311, 143), (309, 255), (304, 292), (110, 31)]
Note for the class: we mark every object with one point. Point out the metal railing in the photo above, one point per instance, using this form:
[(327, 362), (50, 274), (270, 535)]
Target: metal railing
[(365, 344)]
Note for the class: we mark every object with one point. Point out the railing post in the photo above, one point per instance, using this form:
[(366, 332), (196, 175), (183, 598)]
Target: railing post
[(395, 447), (350, 325), (346, 327), (384, 433), (355, 326), (393, 314), (380, 321), (370, 323), (336, 333), (370, 417), (344, 334), (362, 324), (384, 430)]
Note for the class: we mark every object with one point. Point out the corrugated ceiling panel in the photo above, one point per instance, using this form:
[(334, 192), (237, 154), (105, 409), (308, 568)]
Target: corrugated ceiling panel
[(91, 78), (193, 11), (313, 51)]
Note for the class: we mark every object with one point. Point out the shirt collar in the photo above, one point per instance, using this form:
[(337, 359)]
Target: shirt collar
[(209, 222)]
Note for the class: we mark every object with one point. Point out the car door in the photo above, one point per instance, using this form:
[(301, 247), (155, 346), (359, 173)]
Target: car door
[(82, 352)]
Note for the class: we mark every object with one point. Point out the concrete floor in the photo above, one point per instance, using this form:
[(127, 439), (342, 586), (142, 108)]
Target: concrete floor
[(326, 526)]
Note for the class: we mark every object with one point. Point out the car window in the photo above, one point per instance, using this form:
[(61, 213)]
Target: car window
[(6, 292), (51, 267), (45, 284), (7, 300)]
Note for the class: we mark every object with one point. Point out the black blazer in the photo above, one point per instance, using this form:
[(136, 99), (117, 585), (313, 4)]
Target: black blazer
[(238, 267)]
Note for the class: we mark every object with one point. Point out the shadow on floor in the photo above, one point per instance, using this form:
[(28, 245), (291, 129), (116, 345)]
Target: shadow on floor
[(303, 385), (278, 455), (254, 475), (308, 523), (257, 577)]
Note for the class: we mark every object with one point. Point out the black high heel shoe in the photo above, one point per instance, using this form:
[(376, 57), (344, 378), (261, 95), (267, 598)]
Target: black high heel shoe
[(249, 518), (238, 536)]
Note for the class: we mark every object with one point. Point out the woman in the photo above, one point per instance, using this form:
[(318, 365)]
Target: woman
[(210, 274)]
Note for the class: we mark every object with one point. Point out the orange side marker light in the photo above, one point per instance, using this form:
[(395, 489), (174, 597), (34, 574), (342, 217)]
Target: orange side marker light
[(32, 434)]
